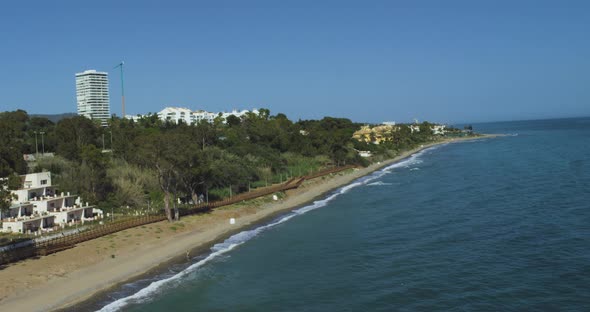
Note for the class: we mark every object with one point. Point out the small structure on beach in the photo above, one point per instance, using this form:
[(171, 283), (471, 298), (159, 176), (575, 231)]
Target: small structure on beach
[(39, 207), (365, 154)]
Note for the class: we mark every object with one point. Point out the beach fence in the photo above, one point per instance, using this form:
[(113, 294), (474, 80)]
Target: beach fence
[(290, 184), (56, 244), (328, 171)]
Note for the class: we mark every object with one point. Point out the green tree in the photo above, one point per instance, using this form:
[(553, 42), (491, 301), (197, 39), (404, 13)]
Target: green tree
[(6, 196), (73, 133), (157, 151), (93, 169)]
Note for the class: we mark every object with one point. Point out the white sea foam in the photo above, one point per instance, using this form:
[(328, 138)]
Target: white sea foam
[(379, 183), (244, 236), (155, 286)]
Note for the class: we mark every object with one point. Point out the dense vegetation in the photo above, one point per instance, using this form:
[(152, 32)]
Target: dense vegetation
[(129, 164)]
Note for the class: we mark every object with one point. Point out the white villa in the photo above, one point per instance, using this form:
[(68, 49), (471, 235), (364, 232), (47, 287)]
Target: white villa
[(439, 129), (436, 129), (39, 207), (177, 114)]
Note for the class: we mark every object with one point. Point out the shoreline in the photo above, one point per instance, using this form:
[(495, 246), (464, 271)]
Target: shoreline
[(92, 268)]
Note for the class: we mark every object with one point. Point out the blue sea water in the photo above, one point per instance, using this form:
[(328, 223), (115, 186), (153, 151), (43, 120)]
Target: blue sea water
[(499, 224)]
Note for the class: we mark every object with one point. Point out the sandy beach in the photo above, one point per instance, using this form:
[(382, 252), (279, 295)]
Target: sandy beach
[(76, 274)]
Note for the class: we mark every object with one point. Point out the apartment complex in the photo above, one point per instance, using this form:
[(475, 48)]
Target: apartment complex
[(181, 114), (39, 207), (92, 95)]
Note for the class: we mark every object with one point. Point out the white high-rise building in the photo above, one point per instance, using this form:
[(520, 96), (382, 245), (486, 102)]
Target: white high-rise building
[(92, 95)]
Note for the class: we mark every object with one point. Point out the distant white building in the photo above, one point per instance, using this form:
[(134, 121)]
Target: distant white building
[(201, 115), (365, 153), (39, 207), (181, 114), (238, 114), (177, 114), (439, 129), (436, 129), (92, 95)]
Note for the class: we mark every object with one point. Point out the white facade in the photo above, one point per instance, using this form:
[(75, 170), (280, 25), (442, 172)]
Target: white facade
[(177, 114), (365, 153), (38, 207), (239, 114), (201, 115), (439, 129), (92, 95), (28, 224), (181, 114)]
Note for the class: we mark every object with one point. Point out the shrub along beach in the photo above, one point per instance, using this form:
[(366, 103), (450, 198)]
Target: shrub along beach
[(151, 166)]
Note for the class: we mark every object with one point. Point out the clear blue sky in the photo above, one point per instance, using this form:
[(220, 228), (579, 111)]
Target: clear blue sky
[(446, 61)]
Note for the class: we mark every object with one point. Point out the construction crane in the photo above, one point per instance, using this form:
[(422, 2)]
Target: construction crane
[(120, 65)]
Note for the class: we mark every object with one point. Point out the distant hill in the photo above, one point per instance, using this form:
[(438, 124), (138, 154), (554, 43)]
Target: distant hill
[(55, 118)]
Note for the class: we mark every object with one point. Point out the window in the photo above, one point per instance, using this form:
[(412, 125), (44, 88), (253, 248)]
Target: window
[(43, 182)]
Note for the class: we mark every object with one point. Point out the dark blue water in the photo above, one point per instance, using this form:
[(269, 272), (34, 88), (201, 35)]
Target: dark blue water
[(499, 224)]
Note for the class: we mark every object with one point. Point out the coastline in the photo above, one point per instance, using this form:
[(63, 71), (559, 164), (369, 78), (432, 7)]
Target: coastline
[(75, 275)]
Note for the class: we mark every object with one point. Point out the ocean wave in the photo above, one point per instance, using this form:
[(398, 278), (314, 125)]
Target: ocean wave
[(237, 239)]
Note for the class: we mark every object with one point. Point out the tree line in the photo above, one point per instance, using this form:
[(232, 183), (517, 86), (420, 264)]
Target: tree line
[(134, 164)]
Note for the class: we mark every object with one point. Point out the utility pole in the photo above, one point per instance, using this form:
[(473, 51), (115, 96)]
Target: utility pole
[(42, 142), (36, 145), (122, 90)]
